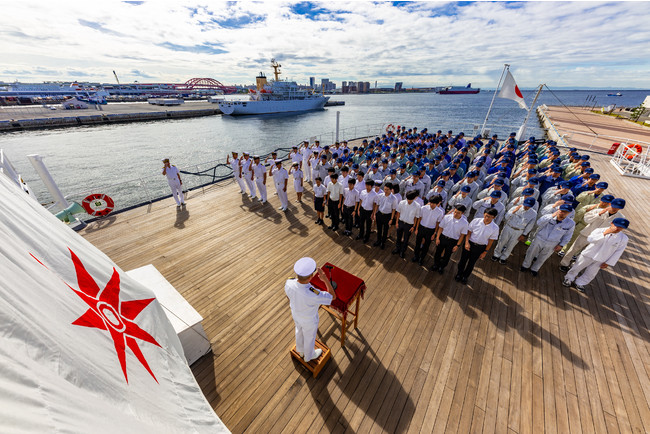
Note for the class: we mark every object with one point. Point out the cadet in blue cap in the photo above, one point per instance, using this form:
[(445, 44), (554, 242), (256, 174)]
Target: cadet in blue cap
[(592, 197), (463, 197), (493, 201), (579, 218), (605, 247), (554, 231), (519, 221), (595, 219)]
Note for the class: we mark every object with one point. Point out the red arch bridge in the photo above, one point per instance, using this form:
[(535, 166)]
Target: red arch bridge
[(199, 84)]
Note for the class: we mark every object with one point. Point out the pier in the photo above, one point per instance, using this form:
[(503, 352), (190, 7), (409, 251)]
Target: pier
[(16, 118)]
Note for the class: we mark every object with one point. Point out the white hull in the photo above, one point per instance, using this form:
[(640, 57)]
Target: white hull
[(271, 106)]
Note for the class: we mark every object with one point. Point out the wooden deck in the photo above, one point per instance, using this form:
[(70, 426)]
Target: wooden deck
[(508, 353)]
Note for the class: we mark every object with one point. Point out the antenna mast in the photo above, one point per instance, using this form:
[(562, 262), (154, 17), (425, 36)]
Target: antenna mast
[(276, 69)]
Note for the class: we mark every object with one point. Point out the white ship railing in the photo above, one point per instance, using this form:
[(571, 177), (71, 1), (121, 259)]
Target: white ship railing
[(629, 162)]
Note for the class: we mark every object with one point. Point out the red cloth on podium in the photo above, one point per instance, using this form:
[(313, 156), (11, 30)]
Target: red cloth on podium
[(348, 286)]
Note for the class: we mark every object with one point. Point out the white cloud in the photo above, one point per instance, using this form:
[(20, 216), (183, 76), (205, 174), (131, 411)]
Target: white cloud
[(425, 44)]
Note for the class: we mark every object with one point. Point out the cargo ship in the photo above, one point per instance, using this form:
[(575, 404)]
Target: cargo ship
[(458, 90)]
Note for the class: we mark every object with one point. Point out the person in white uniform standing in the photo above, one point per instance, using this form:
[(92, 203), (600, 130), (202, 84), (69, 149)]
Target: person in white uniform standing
[(175, 182), (259, 173), (280, 178), (305, 300), (236, 171), (247, 174), (606, 245)]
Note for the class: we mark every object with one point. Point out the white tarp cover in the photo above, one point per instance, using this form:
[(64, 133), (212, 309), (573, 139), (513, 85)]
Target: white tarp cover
[(83, 347)]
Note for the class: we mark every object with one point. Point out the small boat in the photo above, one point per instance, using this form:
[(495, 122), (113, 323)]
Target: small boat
[(458, 90), (615, 94)]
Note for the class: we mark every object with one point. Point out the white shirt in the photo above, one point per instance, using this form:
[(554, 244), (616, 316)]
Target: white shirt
[(335, 190), (259, 170), (605, 248), (431, 217), (351, 196), (367, 199), (454, 228), (172, 174), (386, 204), (304, 303), (279, 175), (409, 212), (246, 165), (297, 175), (235, 167), (319, 190), (360, 186), (482, 233)]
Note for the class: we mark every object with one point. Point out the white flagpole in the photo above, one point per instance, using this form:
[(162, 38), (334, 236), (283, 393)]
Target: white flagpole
[(522, 129), (505, 67)]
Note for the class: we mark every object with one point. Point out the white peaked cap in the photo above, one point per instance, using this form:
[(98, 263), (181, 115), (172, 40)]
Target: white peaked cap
[(304, 266), (278, 161)]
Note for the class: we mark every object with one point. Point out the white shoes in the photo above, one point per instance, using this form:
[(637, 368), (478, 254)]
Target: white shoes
[(317, 353)]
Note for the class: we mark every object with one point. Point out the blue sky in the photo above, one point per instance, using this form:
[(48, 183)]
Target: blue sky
[(561, 44)]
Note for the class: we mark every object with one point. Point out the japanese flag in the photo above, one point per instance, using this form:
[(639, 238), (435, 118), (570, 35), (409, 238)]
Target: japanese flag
[(510, 90)]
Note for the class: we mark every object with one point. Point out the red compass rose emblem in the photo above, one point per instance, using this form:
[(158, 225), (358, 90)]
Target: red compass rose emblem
[(107, 312)]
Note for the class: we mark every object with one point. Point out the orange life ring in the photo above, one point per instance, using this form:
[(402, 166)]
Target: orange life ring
[(630, 155), (390, 127), (98, 205)]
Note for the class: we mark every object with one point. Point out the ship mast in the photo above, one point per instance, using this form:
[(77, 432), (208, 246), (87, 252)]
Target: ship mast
[(276, 69)]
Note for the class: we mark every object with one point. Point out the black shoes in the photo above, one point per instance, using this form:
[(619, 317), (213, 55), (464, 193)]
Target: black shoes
[(358, 237), (523, 269), (502, 261), (414, 259), (376, 243), (564, 268), (458, 277), (463, 280), (534, 273), (395, 252), (495, 258)]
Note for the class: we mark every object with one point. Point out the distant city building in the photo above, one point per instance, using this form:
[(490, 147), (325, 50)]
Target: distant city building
[(398, 86), (312, 82), (327, 85)]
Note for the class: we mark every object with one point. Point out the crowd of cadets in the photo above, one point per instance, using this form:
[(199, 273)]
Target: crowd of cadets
[(427, 185)]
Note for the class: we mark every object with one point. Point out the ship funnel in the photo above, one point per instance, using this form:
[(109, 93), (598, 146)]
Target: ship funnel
[(261, 81)]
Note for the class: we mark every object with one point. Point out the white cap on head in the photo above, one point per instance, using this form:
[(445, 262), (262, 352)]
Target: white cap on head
[(304, 266), (278, 161)]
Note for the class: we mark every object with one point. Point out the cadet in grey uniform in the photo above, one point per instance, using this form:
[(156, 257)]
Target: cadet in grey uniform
[(305, 300), (554, 232), (518, 223)]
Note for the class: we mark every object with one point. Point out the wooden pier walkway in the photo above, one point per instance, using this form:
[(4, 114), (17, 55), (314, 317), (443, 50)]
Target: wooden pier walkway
[(507, 353)]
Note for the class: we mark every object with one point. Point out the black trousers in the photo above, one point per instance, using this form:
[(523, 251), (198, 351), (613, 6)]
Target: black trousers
[(423, 241), (333, 209), (364, 223), (347, 217), (383, 224), (469, 258), (403, 235), (444, 251)]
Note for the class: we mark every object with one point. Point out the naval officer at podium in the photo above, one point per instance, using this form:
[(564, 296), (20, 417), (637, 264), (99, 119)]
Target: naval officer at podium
[(304, 301)]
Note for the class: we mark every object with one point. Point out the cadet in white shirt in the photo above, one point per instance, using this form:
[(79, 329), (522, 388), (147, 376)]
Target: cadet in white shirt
[(519, 221), (383, 213), (481, 234), (334, 192), (174, 181), (350, 206), (494, 201), (449, 236), (235, 164), (432, 214), (280, 178), (297, 180), (259, 172), (365, 210), (408, 215), (304, 301), (606, 245), (319, 198)]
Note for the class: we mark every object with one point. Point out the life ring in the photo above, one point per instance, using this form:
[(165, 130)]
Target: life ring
[(98, 205), (630, 155), (390, 128)]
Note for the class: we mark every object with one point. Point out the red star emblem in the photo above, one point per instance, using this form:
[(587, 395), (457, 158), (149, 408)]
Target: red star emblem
[(107, 312)]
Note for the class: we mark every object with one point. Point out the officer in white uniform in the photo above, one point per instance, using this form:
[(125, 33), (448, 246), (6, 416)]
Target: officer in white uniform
[(519, 221), (236, 171), (247, 174), (554, 231), (175, 183), (281, 178), (606, 245), (259, 172), (305, 300)]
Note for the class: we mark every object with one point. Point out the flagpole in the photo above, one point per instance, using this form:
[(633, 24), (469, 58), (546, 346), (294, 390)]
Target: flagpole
[(505, 67), (522, 129)]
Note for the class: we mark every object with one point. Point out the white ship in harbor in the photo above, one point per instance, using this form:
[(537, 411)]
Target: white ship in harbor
[(277, 96)]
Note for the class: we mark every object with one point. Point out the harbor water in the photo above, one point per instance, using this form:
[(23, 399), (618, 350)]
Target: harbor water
[(124, 160)]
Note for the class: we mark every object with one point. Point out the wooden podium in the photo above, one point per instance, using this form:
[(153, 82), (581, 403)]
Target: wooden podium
[(316, 365), (350, 290)]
